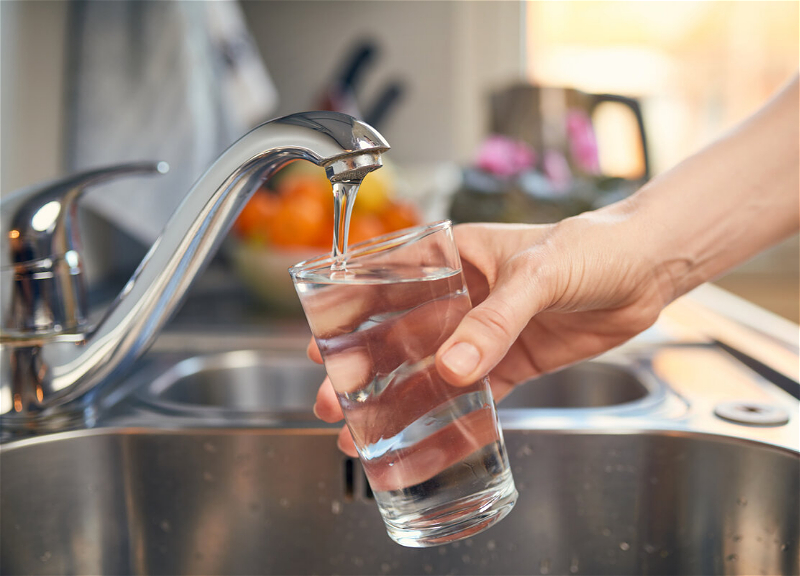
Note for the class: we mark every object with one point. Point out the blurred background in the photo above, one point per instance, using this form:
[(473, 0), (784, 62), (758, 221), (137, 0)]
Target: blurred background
[(495, 110)]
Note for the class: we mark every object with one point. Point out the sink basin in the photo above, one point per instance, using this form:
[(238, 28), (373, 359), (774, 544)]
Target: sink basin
[(586, 385), (279, 501), (245, 382), (261, 383)]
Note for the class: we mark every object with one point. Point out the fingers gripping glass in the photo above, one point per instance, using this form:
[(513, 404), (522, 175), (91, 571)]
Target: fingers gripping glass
[(433, 453)]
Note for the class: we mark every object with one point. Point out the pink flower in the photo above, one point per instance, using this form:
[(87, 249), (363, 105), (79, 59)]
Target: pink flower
[(582, 142), (557, 170), (505, 157)]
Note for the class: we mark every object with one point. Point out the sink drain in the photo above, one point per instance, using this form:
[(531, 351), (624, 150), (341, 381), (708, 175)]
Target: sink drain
[(752, 413)]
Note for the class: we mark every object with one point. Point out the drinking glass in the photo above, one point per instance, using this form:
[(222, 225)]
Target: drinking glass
[(433, 453)]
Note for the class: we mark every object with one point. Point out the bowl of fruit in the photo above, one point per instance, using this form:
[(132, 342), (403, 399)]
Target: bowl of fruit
[(290, 219)]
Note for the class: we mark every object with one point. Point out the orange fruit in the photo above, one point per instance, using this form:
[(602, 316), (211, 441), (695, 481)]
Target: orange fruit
[(256, 217), (298, 223), (398, 215), (363, 227)]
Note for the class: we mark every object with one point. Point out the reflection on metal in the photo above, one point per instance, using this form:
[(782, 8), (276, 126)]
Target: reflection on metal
[(275, 501)]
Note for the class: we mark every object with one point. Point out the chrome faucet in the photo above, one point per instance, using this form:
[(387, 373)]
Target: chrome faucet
[(53, 362)]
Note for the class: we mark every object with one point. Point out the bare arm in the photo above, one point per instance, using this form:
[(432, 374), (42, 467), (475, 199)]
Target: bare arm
[(726, 203)]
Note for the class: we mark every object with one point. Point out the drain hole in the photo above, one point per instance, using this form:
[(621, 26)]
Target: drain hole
[(349, 479), (752, 409)]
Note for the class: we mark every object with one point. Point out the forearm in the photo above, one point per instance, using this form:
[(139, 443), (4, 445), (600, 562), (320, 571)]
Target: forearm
[(724, 204)]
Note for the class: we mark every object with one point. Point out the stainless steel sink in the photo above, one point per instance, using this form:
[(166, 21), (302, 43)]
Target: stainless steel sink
[(208, 460), (258, 383), (277, 501)]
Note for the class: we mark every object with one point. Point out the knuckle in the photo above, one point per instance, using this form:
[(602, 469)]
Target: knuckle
[(498, 320)]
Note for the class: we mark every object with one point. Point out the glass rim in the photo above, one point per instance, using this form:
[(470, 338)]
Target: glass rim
[(375, 245)]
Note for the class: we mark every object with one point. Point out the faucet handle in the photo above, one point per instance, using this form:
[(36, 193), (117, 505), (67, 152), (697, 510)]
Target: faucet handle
[(41, 268)]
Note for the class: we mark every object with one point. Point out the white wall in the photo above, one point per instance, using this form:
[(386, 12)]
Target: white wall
[(450, 53), (32, 63)]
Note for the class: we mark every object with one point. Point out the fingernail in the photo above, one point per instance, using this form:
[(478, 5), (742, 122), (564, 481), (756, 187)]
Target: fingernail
[(462, 359), (314, 408)]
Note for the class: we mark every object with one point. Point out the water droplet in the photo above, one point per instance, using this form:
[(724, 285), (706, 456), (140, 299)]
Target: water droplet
[(732, 557), (649, 548), (544, 566), (737, 538), (525, 451), (165, 525), (784, 547), (573, 565), (391, 463), (624, 546), (385, 568), (336, 507), (46, 556), (209, 447), (284, 502), (466, 559), (208, 476), (491, 545), (606, 531), (428, 569), (742, 501)]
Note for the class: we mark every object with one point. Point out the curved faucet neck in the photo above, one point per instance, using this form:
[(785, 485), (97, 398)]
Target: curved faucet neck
[(68, 367)]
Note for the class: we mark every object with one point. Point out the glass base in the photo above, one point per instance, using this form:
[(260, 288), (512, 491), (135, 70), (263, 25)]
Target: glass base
[(455, 520)]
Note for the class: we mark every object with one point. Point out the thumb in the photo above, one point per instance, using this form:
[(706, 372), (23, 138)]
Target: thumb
[(485, 334)]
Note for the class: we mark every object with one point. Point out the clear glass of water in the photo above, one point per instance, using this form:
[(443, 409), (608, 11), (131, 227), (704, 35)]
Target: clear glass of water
[(433, 453)]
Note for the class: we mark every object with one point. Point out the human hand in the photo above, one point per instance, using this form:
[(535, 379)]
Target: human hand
[(545, 296)]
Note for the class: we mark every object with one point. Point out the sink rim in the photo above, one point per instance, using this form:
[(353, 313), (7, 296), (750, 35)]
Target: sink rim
[(708, 436)]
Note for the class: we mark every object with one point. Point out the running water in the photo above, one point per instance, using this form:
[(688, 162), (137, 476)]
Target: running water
[(344, 195)]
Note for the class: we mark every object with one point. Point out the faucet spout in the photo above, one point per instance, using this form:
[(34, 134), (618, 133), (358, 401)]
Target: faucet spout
[(42, 373)]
